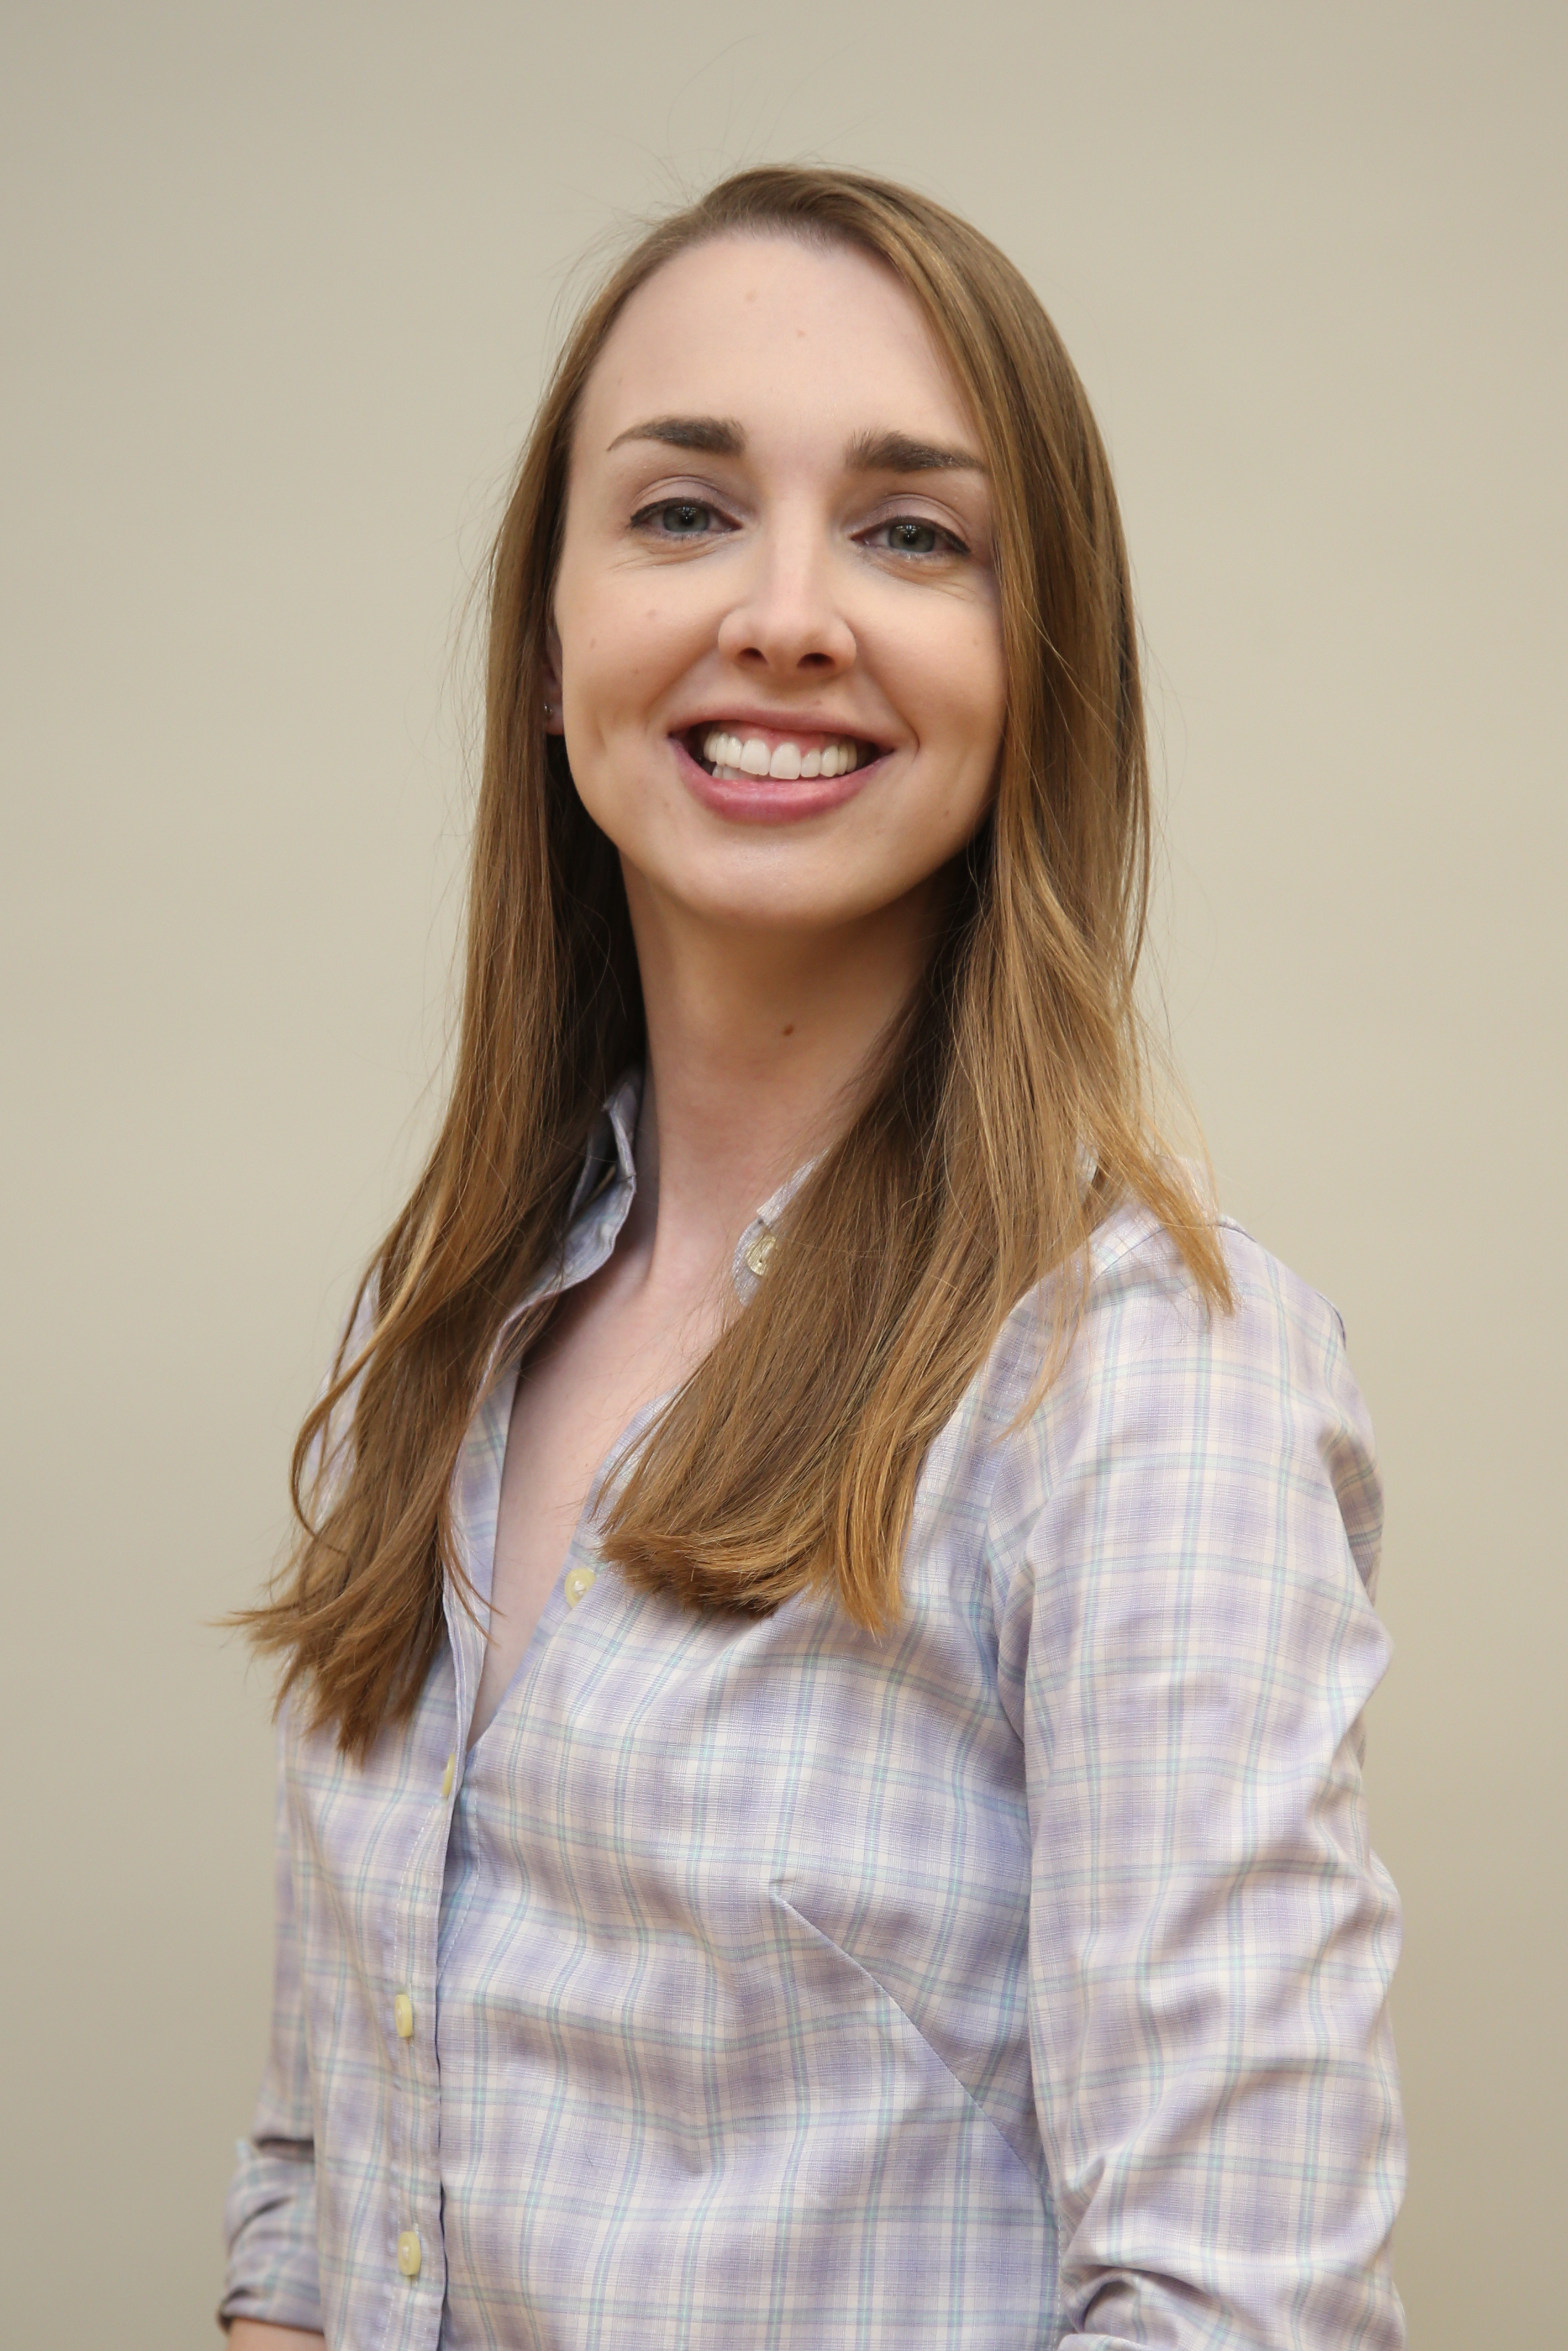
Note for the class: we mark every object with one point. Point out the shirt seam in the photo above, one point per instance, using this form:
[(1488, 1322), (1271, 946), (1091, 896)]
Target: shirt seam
[(1041, 2188)]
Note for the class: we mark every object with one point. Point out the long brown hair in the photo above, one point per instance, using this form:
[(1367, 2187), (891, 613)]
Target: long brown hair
[(789, 1457)]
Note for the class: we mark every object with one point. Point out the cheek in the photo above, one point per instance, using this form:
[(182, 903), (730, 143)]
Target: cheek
[(623, 641), (983, 674), (964, 684), (947, 654)]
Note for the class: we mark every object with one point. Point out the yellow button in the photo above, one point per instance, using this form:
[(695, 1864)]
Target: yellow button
[(761, 1250), (579, 1580), (446, 1775), (408, 2252), (402, 2016)]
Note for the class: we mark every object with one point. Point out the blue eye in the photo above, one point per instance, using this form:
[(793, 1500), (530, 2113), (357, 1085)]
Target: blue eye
[(680, 518), (911, 535)]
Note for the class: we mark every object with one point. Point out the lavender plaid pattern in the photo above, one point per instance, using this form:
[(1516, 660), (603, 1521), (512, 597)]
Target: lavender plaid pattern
[(1018, 1980)]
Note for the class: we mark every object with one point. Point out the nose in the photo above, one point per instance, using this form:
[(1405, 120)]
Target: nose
[(788, 622)]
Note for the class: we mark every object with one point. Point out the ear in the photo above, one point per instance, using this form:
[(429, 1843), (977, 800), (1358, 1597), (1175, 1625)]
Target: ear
[(554, 723)]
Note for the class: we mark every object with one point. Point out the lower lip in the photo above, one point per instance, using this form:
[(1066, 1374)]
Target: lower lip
[(770, 799)]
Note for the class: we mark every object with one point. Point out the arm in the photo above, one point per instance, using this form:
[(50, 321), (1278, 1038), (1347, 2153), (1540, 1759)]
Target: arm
[(1190, 1643), (271, 2292), (271, 2211)]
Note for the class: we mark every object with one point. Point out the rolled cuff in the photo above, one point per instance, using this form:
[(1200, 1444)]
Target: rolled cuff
[(270, 2221)]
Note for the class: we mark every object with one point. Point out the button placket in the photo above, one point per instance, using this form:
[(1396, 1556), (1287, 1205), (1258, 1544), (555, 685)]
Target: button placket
[(413, 2170)]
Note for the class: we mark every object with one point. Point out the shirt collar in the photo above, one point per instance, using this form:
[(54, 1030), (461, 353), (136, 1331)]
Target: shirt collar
[(757, 1243), (609, 1180), (610, 1158)]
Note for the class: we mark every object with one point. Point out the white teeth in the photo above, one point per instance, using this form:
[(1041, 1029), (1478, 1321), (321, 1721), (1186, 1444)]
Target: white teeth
[(787, 761)]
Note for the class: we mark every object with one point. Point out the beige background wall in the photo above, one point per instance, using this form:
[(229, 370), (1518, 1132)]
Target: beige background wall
[(276, 284)]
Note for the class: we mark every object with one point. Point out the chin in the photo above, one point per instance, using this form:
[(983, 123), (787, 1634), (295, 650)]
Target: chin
[(758, 893)]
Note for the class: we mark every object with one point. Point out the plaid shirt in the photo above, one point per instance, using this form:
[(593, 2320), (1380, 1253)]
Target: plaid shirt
[(1018, 1979)]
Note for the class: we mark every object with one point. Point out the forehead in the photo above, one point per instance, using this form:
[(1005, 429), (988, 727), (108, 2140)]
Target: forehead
[(790, 341)]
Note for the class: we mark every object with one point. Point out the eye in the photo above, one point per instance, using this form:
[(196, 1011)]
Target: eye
[(678, 519), (912, 535)]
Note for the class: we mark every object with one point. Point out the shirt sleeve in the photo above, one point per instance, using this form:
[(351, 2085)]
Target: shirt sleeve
[(1187, 1531), (270, 2214)]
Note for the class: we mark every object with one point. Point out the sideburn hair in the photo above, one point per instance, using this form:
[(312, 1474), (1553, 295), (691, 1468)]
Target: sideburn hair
[(787, 1462)]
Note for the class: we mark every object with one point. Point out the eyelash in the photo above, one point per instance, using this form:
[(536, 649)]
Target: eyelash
[(948, 542)]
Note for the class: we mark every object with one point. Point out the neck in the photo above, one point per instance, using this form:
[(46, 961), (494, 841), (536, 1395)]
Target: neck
[(759, 1048)]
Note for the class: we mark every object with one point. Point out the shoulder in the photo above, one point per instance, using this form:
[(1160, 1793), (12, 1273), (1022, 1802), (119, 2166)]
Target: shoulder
[(1166, 1407), (1144, 1320)]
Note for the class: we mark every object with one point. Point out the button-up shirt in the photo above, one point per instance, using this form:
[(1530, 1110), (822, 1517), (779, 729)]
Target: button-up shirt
[(1018, 1978)]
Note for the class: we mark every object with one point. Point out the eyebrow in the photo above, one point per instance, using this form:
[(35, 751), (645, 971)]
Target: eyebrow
[(896, 452), (868, 452), (719, 436)]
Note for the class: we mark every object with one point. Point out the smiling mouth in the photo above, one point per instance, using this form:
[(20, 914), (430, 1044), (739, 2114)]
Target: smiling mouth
[(744, 756)]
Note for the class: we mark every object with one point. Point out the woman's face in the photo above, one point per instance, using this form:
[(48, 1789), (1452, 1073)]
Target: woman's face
[(777, 627)]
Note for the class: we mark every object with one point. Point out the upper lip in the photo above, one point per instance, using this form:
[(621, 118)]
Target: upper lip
[(779, 722)]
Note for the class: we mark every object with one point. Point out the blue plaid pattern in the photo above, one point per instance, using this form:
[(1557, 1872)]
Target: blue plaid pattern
[(1019, 1978)]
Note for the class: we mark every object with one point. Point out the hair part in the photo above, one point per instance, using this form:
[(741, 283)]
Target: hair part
[(789, 1460)]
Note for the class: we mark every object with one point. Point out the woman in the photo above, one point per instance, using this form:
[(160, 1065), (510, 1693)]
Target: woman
[(821, 1795)]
